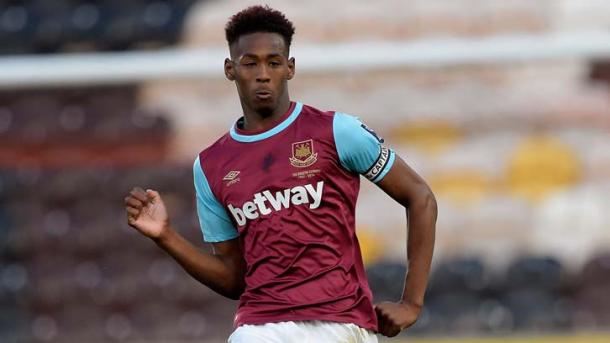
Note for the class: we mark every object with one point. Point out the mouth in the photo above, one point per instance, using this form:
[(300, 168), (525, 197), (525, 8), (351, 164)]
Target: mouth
[(263, 95)]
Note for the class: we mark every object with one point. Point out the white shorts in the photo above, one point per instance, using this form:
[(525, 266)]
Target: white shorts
[(314, 331)]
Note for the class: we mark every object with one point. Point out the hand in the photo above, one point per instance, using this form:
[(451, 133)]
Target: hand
[(146, 212), (394, 317)]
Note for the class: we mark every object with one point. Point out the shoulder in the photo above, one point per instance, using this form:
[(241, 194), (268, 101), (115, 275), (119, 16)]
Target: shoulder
[(343, 121), (312, 113), (338, 119), (215, 148), (342, 126), (209, 157)]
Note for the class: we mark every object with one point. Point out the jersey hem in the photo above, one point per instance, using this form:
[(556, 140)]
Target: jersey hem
[(330, 318), (218, 239)]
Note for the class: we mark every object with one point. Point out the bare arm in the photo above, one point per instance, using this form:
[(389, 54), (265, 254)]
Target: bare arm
[(222, 271), (406, 187)]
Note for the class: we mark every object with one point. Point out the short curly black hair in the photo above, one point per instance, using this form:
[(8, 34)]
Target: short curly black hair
[(259, 19)]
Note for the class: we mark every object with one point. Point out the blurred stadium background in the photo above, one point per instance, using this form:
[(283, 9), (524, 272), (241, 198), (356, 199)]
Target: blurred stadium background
[(503, 106)]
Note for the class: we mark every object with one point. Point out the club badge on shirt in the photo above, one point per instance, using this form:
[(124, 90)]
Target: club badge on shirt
[(303, 154)]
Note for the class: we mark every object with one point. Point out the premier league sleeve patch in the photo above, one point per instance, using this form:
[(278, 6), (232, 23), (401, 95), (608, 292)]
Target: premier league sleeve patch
[(372, 132)]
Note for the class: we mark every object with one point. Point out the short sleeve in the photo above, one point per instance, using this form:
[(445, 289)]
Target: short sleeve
[(360, 149), (213, 219)]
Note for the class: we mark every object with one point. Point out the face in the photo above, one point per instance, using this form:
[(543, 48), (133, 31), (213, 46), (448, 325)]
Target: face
[(260, 67)]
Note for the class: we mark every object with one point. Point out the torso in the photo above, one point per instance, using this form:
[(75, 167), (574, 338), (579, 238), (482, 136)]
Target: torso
[(293, 205)]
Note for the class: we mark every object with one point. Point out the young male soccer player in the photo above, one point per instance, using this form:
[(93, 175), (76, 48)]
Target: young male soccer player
[(276, 197)]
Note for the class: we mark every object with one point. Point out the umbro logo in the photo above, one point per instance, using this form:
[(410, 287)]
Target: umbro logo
[(231, 178)]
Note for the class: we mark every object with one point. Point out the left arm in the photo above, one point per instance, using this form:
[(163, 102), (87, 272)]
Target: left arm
[(406, 187), (361, 151)]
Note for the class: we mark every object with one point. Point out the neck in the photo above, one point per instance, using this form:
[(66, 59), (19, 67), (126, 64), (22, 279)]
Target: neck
[(254, 120)]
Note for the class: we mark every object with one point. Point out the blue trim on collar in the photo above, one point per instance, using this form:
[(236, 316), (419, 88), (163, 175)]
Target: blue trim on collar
[(277, 129)]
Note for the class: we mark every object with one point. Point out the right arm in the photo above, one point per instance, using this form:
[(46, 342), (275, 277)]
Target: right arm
[(222, 271)]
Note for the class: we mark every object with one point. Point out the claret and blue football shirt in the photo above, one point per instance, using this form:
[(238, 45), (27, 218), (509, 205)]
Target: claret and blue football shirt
[(289, 195)]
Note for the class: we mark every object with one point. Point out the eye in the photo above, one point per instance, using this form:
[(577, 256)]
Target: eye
[(275, 64), (249, 64)]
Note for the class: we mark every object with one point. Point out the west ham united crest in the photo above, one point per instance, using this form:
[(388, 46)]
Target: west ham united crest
[(303, 154)]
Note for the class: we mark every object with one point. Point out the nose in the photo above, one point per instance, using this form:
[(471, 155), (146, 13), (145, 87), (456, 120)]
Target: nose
[(263, 74)]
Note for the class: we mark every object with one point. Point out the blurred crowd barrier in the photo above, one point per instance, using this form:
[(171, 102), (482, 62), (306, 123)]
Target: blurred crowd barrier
[(516, 153)]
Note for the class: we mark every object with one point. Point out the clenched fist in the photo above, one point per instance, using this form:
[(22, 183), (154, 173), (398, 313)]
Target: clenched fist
[(394, 317), (146, 212)]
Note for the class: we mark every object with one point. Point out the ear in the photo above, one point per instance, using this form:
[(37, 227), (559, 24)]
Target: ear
[(291, 68), (229, 70)]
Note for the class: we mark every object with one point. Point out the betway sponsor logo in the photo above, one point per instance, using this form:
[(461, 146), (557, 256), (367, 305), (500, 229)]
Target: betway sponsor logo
[(265, 201)]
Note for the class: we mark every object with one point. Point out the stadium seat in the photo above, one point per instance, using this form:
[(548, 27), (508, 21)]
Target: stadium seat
[(456, 291), (532, 309), (50, 29), (545, 273), (540, 165), (80, 321), (457, 310), (459, 274), (533, 294), (84, 24), (386, 280), (158, 23), (17, 27), (6, 120), (591, 296), (45, 327)]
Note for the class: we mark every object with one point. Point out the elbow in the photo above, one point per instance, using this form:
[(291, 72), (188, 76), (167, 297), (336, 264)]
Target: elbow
[(236, 292), (230, 287), (235, 287), (233, 296), (232, 281), (232, 293), (425, 203), (432, 204)]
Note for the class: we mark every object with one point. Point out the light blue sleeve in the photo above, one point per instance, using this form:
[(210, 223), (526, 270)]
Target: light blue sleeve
[(213, 219), (360, 149)]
